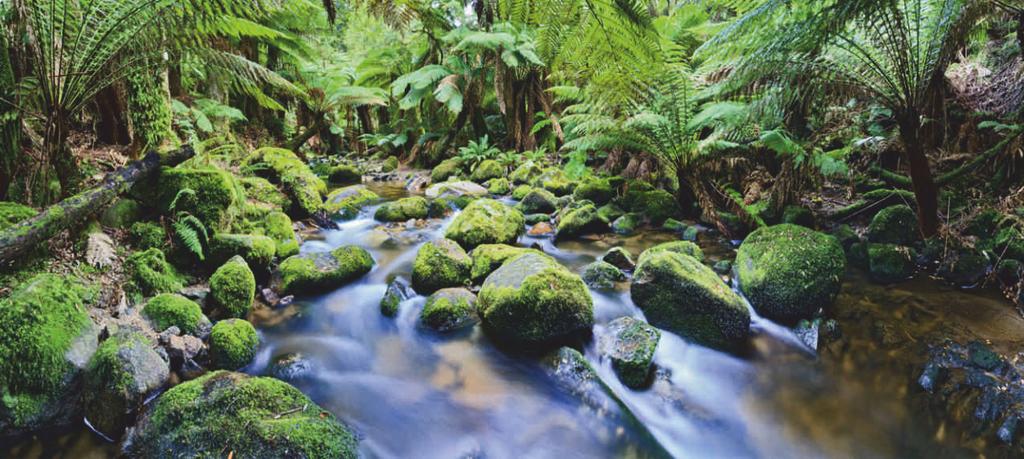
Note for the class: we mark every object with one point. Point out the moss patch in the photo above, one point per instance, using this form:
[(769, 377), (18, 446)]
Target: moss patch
[(172, 310), (579, 221), (12, 213), (630, 345), (489, 257), (403, 209), (447, 169), (121, 214), (601, 275), (486, 221), (448, 310), (210, 194), (597, 190), (233, 288), (151, 274), (313, 272), (298, 181), (347, 202), (257, 250), (894, 225), (233, 344), (681, 247), (538, 201), (486, 170), (440, 264), (889, 263), (525, 173), (147, 235)]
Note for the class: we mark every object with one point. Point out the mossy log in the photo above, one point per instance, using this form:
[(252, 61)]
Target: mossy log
[(20, 238)]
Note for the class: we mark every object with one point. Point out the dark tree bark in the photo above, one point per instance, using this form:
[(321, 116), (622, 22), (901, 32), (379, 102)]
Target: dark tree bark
[(20, 238), (114, 127), (922, 182)]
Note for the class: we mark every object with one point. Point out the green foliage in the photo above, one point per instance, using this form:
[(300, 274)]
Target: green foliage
[(191, 234), (476, 152)]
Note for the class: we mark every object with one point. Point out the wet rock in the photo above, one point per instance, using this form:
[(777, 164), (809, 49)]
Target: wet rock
[(680, 247), (233, 344), (630, 344), (487, 169), (889, 263), (486, 221), (597, 190), (679, 294), (448, 310), (964, 267), (691, 234), (180, 348), (489, 257), (291, 367), (398, 291), (619, 258), (534, 219), (455, 190), (446, 169), (402, 210), (251, 416), (538, 201), (440, 264), (894, 225), (541, 229), (119, 376), (521, 191), (788, 272), (722, 266), (313, 272), (534, 300), (525, 173), (626, 225), (580, 221), (348, 201), (269, 296), (602, 275)]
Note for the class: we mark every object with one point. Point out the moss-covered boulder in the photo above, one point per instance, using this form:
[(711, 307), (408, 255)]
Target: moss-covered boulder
[(798, 215), (298, 181), (533, 300), (120, 375), (316, 272), (525, 173), (233, 288), (788, 272), (489, 257), (555, 181), (233, 344), (608, 213), (347, 202), (345, 173), (580, 221), (630, 344), (626, 224), (487, 170), (224, 413), (390, 164), (447, 169), (147, 235), (46, 338), (964, 267), (399, 290), (674, 226), (597, 190), (278, 226), (486, 221), (846, 236), (521, 191), (168, 310), (498, 186), (889, 263), (150, 273), (260, 190), (12, 213), (402, 210), (894, 225), (533, 219), (538, 201), (440, 264), (448, 310), (455, 190), (602, 275), (257, 250), (619, 258), (656, 206), (679, 294), (681, 247), (122, 213), (212, 195)]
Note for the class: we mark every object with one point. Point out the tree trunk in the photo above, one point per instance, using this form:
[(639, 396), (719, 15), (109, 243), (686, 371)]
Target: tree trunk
[(113, 127), (20, 238), (923, 184)]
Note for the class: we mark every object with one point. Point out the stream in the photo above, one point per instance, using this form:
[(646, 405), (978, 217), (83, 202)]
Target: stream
[(409, 392)]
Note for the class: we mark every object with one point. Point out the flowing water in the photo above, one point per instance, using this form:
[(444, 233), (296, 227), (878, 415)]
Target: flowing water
[(411, 393)]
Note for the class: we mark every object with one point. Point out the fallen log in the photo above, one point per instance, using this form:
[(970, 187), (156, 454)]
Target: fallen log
[(19, 239)]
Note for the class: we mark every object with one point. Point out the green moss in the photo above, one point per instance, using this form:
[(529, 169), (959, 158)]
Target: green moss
[(521, 191), (172, 310), (151, 274), (683, 247), (846, 236), (278, 226), (233, 288), (347, 202), (601, 275), (214, 199), (312, 272), (679, 294), (12, 213), (656, 206), (121, 214), (798, 216), (447, 169), (579, 221), (440, 264), (223, 413), (1008, 243), (257, 250), (489, 257), (262, 191), (345, 173), (890, 263), (486, 221), (298, 181), (525, 173), (486, 170), (534, 219), (626, 224), (538, 201), (894, 225), (390, 164), (123, 370), (555, 181), (233, 344), (608, 213), (448, 310), (498, 186), (534, 301), (403, 209), (674, 226), (597, 190), (788, 272), (147, 235), (630, 345)]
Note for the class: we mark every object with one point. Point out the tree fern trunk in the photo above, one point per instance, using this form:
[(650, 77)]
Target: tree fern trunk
[(923, 184)]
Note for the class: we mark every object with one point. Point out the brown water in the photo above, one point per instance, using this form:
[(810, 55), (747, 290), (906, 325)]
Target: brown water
[(410, 393)]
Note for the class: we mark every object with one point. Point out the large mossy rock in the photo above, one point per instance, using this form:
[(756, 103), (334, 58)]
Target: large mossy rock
[(534, 301), (121, 214), (489, 257), (151, 274), (255, 249), (447, 169), (224, 413), (316, 272), (889, 263), (538, 201), (655, 205), (347, 202), (525, 173), (499, 186), (345, 173), (12, 213), (486, 221), (212, 195), (454, 190), (602, 275), (147, 235), (121, 374), (625, 225), (402, 210), (788, 272), (894, 225), (630, 344), (440, 264), (680, 294), (46, 339), (233, 344), (597, 190), (449, 310), (304, 187), (172, 310), (680, 247), (233, 288), (260, 191), (278, 226), (580, 221), (555, 181), (486, 170)]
